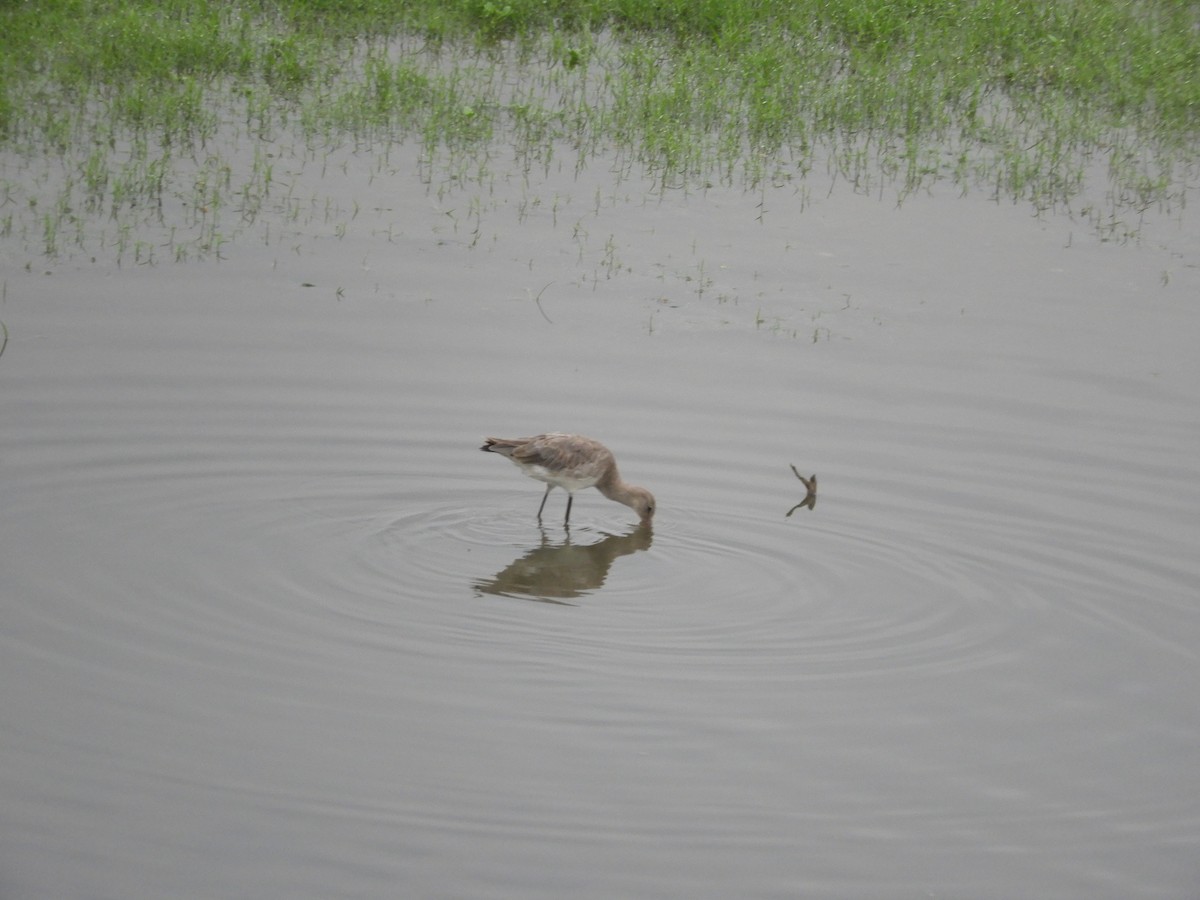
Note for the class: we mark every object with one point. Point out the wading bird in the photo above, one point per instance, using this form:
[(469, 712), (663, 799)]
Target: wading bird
[(572, 462)]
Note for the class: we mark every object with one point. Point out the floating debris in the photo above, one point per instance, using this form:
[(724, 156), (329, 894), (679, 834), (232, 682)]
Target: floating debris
[(810, 497)]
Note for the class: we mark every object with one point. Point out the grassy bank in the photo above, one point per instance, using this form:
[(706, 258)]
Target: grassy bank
[(1019, 96)]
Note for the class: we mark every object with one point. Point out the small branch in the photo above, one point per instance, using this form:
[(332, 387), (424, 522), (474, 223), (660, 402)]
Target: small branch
[(538, 300), (810, 496)]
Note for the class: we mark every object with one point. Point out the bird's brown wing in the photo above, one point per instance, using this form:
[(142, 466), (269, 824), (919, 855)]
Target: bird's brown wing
[(572, 453)]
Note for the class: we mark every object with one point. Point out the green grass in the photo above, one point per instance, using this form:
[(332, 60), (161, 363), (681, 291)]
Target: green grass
[(1021, 97)]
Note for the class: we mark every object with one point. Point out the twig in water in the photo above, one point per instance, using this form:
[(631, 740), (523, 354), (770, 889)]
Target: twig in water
[(810, 497), (538, 300)]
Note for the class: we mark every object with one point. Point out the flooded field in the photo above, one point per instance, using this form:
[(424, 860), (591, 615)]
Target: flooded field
[(274, 627)]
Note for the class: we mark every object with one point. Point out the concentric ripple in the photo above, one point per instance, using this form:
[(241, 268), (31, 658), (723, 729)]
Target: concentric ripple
[(262, 591)]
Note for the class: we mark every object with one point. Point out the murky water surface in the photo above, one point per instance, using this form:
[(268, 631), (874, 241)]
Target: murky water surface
[(274, 627)]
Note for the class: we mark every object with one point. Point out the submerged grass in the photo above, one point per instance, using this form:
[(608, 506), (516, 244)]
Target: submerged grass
[(1022, 96)]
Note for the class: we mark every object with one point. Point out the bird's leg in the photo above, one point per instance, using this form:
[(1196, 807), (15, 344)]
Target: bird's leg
[(549, 487), (570, 497)]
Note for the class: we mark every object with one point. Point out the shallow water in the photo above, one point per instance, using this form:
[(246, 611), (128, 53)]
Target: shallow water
[(270, 625)]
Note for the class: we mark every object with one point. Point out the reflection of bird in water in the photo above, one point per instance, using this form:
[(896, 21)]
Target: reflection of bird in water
[(565, 570), (810, 497), (572, 462)]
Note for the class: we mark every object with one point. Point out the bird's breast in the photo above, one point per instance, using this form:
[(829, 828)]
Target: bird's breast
[(571, 481)]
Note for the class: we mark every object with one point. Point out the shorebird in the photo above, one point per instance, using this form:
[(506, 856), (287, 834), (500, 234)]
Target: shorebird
[(572, 462)]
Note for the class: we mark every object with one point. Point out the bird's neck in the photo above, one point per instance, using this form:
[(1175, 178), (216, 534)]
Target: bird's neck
[(612, 487)]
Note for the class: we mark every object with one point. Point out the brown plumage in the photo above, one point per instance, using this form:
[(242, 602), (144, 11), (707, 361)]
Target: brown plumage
[(572, 462)]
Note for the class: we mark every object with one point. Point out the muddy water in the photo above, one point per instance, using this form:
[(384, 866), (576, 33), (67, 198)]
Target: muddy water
[(273, 626)]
